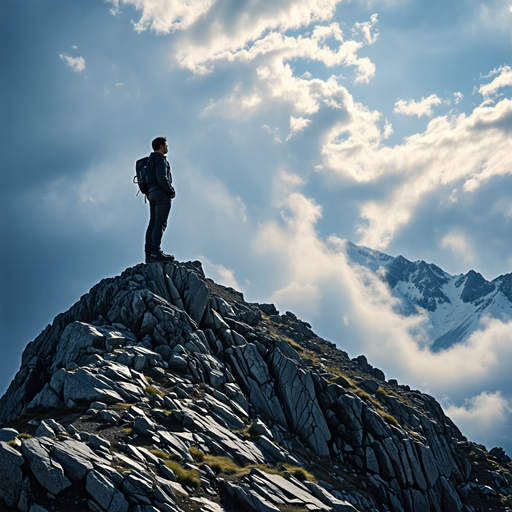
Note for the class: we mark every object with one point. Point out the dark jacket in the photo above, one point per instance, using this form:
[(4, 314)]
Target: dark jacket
[(160, 172)]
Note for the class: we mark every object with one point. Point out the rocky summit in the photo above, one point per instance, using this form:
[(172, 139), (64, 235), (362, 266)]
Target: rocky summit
[(162, 391)]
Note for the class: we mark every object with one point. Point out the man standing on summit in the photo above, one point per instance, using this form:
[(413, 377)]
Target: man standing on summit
[(160, 194)]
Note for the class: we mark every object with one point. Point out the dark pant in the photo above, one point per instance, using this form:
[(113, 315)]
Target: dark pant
[(159, 208)]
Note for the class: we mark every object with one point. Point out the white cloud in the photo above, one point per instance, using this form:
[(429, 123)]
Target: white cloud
[(163, 16), (458, 96), (120, 84), (220, 274), (471, 148), (503, 79), (484, 417), (297, 124), (421, 108), (458, 243), (236, 104), (366, 29), (77, 64)]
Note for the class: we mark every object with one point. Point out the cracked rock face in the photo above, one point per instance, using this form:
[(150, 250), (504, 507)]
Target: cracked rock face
[(173, 393)]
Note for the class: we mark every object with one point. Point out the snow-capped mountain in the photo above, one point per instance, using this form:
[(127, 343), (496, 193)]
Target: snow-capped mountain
[(454, 304)]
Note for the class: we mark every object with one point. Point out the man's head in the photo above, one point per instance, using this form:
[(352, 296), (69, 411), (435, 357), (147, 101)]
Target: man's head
[(159, 145)]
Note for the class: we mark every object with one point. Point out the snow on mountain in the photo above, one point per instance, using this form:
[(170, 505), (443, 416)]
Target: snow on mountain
[(454, 304)]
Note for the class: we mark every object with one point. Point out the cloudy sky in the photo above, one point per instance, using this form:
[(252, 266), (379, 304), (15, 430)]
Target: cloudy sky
[(293, 126)]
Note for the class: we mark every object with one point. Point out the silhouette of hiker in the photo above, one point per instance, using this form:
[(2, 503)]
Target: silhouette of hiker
[(160, 194)]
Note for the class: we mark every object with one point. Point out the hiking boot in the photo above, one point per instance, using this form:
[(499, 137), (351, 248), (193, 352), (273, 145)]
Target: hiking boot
[(161, 257)]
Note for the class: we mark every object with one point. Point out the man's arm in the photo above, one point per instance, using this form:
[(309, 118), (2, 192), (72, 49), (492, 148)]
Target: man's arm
[(161, 177)]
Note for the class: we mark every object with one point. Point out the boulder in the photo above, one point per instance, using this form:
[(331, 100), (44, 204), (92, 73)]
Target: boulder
[(45, 398), (75, 340), (76, 458), (11, 476), (297, 394), (83, 385), (8, 434), (105, 493), (48, 472)]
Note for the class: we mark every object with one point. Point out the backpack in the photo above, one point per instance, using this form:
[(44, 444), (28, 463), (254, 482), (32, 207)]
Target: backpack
[(142, 177)]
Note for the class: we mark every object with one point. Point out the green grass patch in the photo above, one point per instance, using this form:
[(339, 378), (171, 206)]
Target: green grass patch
[(222, 465), (294, 344), (390, 392), (300, 473), (159, 453), (378, 407), (149, 379), (12, 443), (388, 417), (128, 431), (151, 390), (24, 435), (119, 466), (189, 477), (196, 453)]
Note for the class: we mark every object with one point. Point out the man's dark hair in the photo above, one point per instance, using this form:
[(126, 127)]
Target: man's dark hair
[(159, 141)]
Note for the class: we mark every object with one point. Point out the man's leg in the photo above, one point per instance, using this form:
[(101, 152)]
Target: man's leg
[(162, 208), (149, 232)]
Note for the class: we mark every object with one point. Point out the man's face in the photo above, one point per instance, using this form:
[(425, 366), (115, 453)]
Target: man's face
[(164, 148)]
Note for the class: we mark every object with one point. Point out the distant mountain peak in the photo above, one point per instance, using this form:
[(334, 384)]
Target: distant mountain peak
[(454, 304)]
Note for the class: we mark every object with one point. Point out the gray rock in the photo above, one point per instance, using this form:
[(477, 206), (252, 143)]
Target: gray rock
[(48, 471), (375, 424), (167, 473), (297, 394), (110, 416), (451, 500), (216, 379), (37, 508), (177, 362), (144, 426), (225, 412), (83, 385), (386, 469), (258, 427), (196, 296), (249, 498), (11, 476), (8, 434), (105, 493), (23, 502), (44, 430), (100, 406), (75, 340), (75, 457), (428, 463), (328, 499), (372, 463), (98, 443), (271, 449), (137, 484), (253, 372), (292, 489), (45, 398)]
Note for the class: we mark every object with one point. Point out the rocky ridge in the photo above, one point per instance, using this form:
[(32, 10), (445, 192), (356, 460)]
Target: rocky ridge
[(161, 390)]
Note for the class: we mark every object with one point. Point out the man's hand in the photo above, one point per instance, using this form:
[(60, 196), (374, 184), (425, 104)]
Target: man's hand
[(173, 195)]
